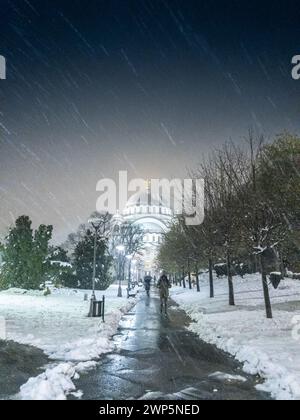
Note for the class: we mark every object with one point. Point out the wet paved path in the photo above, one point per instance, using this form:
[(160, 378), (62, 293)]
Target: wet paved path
[(157, 358)]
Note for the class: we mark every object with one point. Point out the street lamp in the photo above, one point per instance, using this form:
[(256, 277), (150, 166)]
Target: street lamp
[(129, 258), (121, 250), (99, 227)]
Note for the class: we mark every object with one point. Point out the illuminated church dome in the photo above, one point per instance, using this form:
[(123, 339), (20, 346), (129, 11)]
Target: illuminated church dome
[(147, 204), (154, 216)]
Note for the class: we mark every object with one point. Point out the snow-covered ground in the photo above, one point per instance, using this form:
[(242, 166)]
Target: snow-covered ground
[(58, 324), (269, 348)]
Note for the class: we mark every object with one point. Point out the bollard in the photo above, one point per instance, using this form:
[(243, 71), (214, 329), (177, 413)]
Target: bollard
[(103, 308)]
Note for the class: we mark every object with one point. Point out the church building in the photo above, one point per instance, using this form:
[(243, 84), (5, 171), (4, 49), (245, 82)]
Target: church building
[(154, 217)]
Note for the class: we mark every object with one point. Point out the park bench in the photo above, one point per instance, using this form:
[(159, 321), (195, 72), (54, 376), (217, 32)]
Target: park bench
[(131, 293)]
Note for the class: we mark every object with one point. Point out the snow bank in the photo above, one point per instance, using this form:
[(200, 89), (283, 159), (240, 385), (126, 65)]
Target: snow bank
[(226, 377), (265, 347), (54, 384), (58, 324)]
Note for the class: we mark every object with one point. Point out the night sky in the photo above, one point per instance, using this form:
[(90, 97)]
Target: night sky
[(98, 86)]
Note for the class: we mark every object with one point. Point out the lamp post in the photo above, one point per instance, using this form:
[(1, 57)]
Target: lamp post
[(121, 250), (129, 258), (99, 229)]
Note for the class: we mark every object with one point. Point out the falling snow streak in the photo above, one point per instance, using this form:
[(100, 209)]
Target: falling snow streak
[(97, 87)]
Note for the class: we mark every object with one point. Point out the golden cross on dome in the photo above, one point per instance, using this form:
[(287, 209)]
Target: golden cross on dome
[(148, 185)]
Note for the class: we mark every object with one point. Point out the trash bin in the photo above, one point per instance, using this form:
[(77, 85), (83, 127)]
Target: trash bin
[(99, 309), (275, 279)]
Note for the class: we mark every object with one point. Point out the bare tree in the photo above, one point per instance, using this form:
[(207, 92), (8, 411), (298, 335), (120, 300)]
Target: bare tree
[(130, 236)]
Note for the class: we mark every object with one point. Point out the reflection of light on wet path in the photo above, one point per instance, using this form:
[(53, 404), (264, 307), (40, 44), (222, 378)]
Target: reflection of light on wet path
[(141, 329), (157, 358)]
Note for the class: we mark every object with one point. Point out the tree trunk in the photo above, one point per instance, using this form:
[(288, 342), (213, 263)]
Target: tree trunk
[(190, 281), (189, 275), (129, 274), (180, 279), (254, 265), (197, 280), (266, 289), (183, 279), (281, 264), (230, 281), (211, 278)]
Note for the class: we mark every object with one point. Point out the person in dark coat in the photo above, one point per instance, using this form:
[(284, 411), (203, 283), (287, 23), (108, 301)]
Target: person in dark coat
[(164, 286), (147, 284)]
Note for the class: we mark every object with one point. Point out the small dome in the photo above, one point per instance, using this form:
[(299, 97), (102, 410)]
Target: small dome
[(117, 219)]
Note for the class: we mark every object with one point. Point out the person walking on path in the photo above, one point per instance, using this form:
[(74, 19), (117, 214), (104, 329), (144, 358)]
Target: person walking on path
[(164, 285), (147, 283)]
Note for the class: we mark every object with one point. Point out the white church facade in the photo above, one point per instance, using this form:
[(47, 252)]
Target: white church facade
[(154, 217)]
